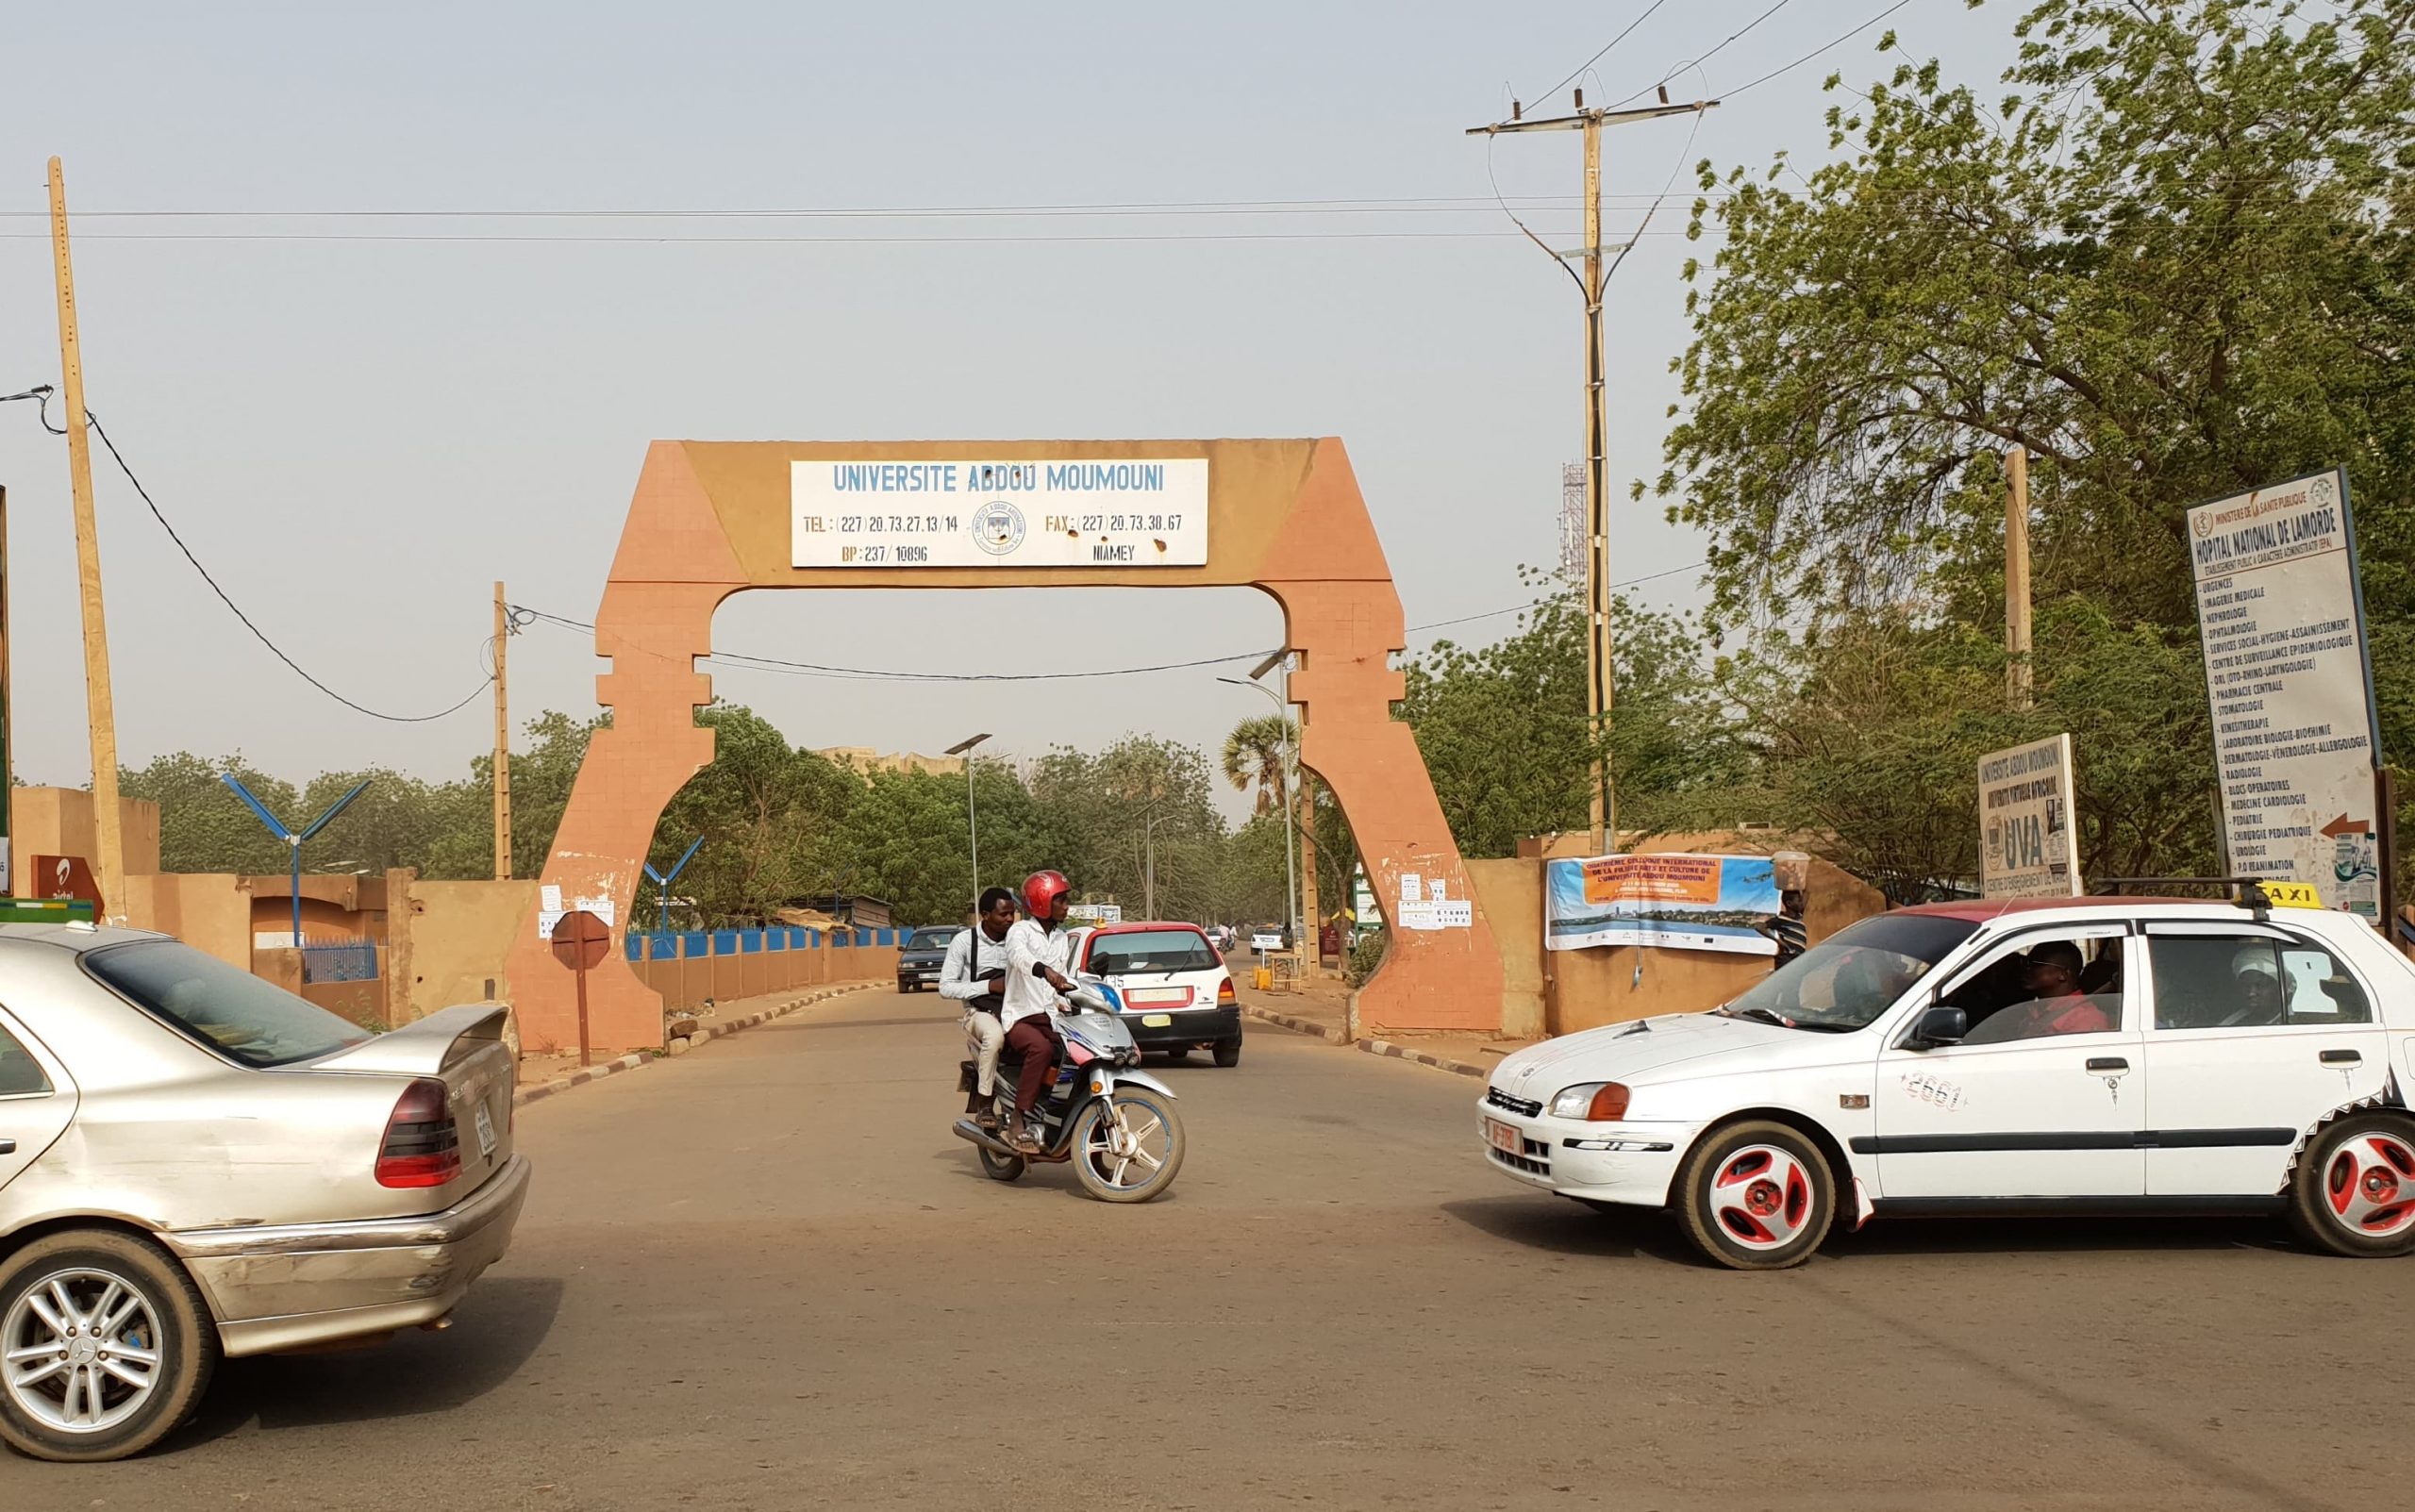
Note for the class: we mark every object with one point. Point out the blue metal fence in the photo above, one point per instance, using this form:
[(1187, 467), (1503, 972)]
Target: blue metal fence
[(343, 960)]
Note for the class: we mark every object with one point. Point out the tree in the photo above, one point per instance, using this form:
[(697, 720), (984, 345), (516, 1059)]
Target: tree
[(203, 825), (1259, 751), (2173, 262)]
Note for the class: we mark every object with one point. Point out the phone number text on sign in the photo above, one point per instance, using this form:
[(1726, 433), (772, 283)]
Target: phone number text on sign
[(1118, 512)]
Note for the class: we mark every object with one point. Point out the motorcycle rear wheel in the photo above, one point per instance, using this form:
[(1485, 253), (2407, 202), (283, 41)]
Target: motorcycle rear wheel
[(1143, 1163), (1001, 1167)]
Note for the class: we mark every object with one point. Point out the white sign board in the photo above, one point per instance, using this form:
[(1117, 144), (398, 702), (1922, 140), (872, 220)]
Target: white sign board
[(2026, 822), (1094, 913), (2283, 625), (1099, 513)]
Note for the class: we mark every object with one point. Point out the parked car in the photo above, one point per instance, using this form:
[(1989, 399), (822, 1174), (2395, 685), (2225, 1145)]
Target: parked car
[(924, 953), (195, 1163), (1170, 984), (2123, 1054)]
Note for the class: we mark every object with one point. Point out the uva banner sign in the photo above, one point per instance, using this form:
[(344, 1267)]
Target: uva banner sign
[(1093, 512), (2026, 822), (2287, 672)]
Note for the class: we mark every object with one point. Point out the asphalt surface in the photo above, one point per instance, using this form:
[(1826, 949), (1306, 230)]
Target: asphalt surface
[(764, 1275)]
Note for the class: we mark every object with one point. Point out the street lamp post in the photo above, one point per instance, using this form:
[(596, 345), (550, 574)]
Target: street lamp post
[(1283, 712), (972, 823)]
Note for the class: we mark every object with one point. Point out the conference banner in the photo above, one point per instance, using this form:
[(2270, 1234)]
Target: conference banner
[(2289, 676), (1676, 902)]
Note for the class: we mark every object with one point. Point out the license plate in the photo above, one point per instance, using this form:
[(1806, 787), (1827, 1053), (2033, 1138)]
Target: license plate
[(1157, 1020), (485, 1131), (1503, 1137)]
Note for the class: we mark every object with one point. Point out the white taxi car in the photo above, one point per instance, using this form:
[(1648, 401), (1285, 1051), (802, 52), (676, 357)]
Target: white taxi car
[(2119, 1054)]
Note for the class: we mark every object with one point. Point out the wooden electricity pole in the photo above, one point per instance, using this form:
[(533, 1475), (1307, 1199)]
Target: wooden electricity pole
[(99, 708), (2017, 672), (8, 753), (502, 741), (1307, 819), (1598, 689)]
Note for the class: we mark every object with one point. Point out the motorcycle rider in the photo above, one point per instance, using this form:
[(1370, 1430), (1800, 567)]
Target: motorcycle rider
[(972, 974), (1037, 958)]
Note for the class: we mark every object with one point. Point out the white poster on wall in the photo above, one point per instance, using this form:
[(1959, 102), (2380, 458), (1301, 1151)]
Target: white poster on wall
[(2282, 620), (2026, 822), (1141, 512)]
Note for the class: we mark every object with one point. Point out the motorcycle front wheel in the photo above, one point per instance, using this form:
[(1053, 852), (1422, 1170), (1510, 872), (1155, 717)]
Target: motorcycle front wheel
[(1128, 1145)]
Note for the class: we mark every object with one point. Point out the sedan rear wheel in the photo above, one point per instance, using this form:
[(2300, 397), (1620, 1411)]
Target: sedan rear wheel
[(1755, 1196), (2355, 1192), (104, 1346)]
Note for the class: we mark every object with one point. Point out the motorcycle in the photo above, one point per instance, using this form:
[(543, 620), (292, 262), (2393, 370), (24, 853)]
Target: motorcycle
[(1115, 1123)]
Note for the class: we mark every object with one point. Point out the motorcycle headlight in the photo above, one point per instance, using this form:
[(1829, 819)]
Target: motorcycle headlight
[(1595, 1102)]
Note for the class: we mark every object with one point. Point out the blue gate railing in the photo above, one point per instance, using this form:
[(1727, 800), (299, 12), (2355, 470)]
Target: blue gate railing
[(347, 960)]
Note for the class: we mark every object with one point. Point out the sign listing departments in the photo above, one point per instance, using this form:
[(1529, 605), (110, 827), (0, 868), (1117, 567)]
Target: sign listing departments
[(2285, 674), (1119, 512)]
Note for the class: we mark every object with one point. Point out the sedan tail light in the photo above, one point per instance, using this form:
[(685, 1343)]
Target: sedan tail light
[(421, 1147), (1224, 993)]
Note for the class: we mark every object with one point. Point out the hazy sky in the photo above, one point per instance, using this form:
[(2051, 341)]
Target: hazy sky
[(359, 436)]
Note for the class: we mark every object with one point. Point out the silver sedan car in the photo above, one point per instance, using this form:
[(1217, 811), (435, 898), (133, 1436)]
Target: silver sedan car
[(195, 1163)]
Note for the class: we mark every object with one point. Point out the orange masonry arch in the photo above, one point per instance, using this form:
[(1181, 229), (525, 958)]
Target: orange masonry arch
[(711, 518)]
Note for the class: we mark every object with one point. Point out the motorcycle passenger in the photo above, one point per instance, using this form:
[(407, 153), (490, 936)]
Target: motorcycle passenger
[(972, 974), (1037, 958)]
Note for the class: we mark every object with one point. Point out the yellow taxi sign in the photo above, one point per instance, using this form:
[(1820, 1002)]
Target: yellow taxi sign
[(2291, 894)]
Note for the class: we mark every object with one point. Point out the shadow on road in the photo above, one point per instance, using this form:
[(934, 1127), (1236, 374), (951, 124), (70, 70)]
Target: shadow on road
[(2031, 1236), (1563, 1227), (496, 1330)]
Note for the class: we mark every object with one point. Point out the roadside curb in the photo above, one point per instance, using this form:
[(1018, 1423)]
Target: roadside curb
[(1457, 1067), (636, 1058), (1305, 1026)]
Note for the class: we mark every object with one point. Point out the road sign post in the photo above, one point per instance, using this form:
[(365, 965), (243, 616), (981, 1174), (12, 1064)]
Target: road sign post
[(579, 940)]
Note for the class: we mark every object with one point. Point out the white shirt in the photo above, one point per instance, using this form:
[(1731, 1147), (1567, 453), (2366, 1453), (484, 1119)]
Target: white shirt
[(1028, 943), (960, 975)]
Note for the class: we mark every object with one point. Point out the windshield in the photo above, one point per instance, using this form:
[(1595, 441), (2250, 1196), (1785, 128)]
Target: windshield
[(1852, 976), (930, 939), (232, 1011), (1150, 950)]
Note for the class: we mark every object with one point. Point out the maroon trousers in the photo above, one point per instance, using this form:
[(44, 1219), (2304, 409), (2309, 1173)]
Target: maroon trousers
[(1035, 1042)]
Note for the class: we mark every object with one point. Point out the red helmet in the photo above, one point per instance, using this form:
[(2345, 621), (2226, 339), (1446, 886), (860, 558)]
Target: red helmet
[(1040, 892)]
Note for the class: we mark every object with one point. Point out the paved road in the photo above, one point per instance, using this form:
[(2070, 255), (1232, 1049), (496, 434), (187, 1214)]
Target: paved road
[(764, 1276)]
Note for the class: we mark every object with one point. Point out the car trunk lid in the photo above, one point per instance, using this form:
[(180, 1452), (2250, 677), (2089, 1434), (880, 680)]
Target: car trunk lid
[(464, 1048)]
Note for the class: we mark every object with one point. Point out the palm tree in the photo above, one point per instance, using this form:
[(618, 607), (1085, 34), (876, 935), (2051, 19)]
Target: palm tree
[(1256, 752)]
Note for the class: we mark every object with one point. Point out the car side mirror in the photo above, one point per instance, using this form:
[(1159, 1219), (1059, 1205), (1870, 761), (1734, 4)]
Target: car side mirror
[(1942, 1025)]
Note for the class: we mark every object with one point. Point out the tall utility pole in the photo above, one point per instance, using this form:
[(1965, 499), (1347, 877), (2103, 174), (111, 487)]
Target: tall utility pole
[(99, 708), (1312, 959), (971, 821), (1603, 802), (501, 742), (2017, 672)]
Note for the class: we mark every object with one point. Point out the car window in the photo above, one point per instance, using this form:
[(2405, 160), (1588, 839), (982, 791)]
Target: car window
[(232, 1011), (1150, 950), (2046, 985), (930, 939), (20, 1075), (2249, 981), (1855, 974)]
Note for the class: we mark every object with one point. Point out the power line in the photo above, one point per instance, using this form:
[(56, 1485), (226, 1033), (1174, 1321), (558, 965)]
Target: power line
[(1603, 53), (1822, 48), (1406, 205), (1696, 62), (42, 392), (630, 239), (747, 662)]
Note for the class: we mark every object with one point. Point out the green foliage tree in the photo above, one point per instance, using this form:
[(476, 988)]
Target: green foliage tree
[(203, 825), (1257, 753)]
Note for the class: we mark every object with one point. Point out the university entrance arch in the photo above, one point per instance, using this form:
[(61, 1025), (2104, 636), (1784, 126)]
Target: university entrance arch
[(711, 518)]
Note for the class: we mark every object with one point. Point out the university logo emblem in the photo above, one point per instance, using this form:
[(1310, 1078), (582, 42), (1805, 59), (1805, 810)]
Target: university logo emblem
[(997, 527)]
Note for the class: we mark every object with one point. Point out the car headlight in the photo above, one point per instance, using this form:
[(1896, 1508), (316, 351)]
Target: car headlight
[(1595, 1102)]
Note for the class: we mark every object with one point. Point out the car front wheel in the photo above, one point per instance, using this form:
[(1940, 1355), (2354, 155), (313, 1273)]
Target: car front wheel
[(104, 1346), (1755, 1196), (2354, 1191)]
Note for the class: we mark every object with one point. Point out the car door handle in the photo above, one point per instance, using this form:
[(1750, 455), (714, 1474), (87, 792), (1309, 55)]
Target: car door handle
[(7, 1147), (2108, 1063), (2343, 1057)]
